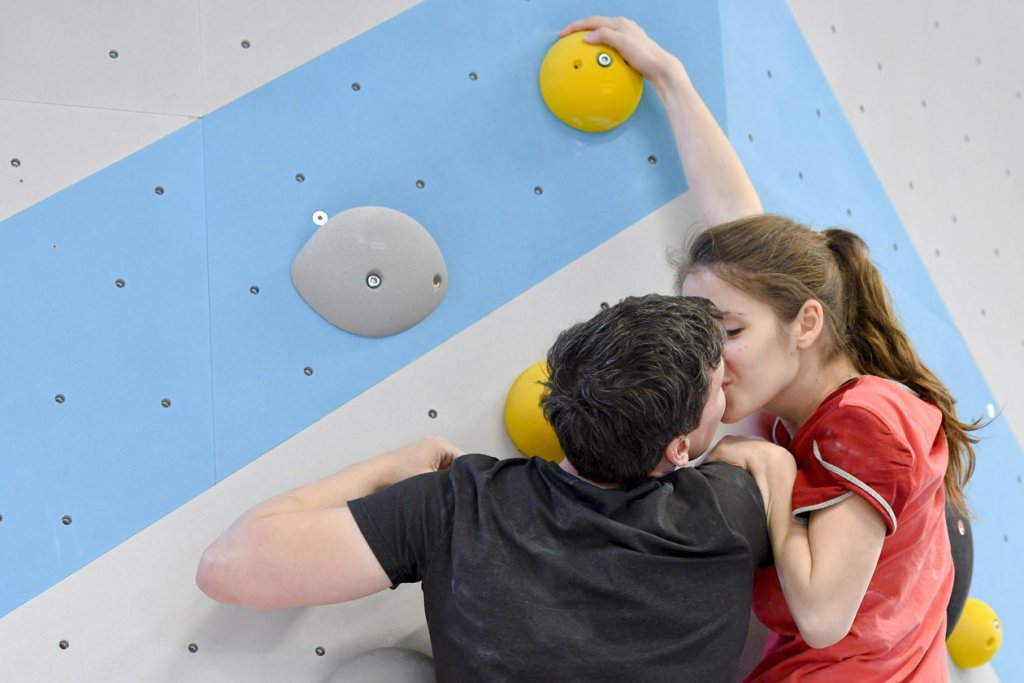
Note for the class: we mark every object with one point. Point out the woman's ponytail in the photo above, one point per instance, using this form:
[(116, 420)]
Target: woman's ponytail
[(877, 344)]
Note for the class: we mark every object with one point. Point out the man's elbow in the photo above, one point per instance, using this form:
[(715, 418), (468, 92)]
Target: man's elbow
[(213, 576)]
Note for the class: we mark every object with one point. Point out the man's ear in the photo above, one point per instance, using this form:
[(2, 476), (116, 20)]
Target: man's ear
[(677, 452), (808, 324)]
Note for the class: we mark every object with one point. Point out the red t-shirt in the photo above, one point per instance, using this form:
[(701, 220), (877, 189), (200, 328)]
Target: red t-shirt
[(875, 439)]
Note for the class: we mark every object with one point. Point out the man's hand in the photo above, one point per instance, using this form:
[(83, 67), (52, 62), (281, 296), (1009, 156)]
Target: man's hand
[(431, 454)]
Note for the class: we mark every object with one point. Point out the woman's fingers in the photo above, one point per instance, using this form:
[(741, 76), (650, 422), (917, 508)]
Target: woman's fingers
[(596, 22)]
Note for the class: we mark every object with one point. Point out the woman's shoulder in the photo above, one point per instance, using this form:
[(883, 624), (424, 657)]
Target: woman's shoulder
[(883, 402), (877, 395)]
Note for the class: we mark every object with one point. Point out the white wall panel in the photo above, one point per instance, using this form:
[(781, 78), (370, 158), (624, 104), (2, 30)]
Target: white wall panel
[(45, 148), (62, 52), (279, 37), (934, 93)]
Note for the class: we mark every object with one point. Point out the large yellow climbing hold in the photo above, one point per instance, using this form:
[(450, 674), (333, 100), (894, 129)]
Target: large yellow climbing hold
[(524, 419), (589, 87), (977, 635)]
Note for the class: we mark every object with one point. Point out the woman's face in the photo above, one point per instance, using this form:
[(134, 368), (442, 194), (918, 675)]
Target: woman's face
[(760, 353)]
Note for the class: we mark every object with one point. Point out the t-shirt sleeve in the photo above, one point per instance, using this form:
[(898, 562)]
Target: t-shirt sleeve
[(854, 452), (403, 523), (743, 507)]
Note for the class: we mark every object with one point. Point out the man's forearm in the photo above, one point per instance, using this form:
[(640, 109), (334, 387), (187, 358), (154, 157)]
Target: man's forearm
[(362, 478), (349, 483)]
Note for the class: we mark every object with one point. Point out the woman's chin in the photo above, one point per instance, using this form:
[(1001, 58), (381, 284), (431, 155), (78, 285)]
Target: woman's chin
[(731, 416)]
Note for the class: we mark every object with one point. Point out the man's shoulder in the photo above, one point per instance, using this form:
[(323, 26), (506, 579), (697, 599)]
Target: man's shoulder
[(736, 490), (475, 461), (727, 475), (475, 465), (479, 471)]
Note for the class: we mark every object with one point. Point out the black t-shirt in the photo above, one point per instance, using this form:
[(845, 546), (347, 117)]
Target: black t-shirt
[(532, 574)]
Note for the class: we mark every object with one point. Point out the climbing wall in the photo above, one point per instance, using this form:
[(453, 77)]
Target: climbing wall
[(159, 373)]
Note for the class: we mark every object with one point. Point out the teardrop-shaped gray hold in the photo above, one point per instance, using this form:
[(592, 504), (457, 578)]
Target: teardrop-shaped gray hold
[(371, 271)]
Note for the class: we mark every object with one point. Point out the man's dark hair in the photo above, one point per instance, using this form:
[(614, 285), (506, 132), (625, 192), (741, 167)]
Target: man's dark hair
[(628, 381)]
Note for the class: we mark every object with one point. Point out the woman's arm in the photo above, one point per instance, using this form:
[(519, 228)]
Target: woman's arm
[(719, 183), (304, 547), (825, 566)]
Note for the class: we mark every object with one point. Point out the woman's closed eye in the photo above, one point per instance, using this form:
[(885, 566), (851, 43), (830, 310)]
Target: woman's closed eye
[(733, 333)]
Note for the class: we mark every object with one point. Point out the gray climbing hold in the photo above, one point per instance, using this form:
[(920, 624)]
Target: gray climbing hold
[(371, 271)]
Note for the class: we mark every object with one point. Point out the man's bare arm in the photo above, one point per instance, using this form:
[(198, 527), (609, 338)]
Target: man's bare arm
[(303, 547)]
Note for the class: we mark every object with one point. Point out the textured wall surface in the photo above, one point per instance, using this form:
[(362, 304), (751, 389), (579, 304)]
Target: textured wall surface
[(161, 165)]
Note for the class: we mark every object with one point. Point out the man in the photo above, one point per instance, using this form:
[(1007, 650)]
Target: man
[(619, 563)]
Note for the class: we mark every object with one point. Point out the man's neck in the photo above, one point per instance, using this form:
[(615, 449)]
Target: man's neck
[(663, 468), (568, 467)]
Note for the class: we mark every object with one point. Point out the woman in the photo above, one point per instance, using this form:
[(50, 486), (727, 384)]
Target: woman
[(860, 588)]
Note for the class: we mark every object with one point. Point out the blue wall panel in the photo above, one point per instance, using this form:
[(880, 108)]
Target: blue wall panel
[(479, 146), (109, 455)]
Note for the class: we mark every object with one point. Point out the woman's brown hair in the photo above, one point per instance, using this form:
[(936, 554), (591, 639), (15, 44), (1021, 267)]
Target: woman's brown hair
[(784, 264)]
